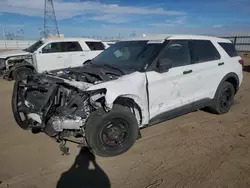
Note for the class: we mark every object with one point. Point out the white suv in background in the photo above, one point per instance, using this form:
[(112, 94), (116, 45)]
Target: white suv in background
[(133, 84), (49, 54)]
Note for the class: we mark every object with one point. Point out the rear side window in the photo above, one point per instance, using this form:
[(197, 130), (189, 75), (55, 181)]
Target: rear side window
[(203, 51), (229, 48), (94, 46), (72, 47)]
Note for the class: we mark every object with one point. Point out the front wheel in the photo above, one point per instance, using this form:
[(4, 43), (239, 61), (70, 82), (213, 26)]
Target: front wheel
[(21, 73), (224, 98), (111, 133)]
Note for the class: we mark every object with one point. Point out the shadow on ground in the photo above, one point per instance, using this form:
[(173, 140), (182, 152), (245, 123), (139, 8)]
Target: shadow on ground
[(80, 176)]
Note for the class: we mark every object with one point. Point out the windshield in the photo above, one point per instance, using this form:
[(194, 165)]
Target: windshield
[(127, 54), (34, 46)]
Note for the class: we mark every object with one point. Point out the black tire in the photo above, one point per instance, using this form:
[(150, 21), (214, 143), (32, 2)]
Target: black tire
[(21, 73), (224, 98), (99, 122)]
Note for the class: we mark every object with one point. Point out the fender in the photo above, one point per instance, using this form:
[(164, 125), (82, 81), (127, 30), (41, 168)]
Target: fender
[(143, 117), (229, 75)]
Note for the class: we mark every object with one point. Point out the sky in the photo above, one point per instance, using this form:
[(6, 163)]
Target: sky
[(77, 18)]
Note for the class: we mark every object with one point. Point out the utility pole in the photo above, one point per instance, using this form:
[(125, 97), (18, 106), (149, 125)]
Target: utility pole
[(3, 32), (50, 22), (133, 34)]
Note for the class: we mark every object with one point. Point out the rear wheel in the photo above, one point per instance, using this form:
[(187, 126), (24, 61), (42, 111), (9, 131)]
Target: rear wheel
[(21, 73), (224, 98), (111, 133)]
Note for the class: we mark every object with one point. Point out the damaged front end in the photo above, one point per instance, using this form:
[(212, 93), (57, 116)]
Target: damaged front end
[(8, 64), (53, 106), (2, 67)]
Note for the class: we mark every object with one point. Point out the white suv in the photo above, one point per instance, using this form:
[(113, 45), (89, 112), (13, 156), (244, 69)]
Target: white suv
[(49, 54), (133, 84)]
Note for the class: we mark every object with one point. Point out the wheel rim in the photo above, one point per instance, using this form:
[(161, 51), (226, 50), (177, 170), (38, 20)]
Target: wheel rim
[(114, 133), (226, 98), (22, 75)]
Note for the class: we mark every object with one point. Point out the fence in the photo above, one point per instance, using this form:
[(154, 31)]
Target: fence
[(241, 40), (15, 44)]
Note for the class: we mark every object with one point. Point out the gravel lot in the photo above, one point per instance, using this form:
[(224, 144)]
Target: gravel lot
[(196, 150)]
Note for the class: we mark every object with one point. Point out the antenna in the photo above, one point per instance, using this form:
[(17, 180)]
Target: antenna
[(50, 22)]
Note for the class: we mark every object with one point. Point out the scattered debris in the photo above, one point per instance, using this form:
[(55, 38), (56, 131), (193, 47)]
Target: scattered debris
[(241, 135), (156, 184), (246, 112)]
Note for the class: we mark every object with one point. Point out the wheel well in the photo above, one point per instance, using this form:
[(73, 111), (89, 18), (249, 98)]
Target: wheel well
[(24, 66), (86, 61), (233, 81), (132, 105)]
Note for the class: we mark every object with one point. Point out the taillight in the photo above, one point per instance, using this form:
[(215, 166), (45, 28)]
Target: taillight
[(242, 62)]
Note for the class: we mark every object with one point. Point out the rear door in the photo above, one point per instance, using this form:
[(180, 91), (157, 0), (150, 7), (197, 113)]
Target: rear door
[(95, 48), (171, 86), (76, 56), (208, 68)]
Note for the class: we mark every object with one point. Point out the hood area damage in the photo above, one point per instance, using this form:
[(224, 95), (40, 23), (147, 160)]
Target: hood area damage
[(59, 103)]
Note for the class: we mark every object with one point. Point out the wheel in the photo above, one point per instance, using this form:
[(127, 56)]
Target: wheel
[(21, 73), (111, 133), (224, 98)]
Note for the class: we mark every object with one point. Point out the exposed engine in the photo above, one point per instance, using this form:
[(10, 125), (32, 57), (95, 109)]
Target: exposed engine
[(53, 104)]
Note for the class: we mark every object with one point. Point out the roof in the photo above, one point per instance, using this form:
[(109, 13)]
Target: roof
[(178, 37), (68, 39)]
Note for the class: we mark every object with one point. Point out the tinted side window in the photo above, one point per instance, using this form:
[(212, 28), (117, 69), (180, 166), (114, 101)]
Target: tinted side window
[(203, 50), (72, 47), (93, 46), (176, 53), (229, 48), (55, 47)]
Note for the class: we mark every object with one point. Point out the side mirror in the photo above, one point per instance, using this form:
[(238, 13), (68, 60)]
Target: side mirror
[(163, 65)]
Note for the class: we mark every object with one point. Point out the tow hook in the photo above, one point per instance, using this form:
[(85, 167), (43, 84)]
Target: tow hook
[(63, 148)]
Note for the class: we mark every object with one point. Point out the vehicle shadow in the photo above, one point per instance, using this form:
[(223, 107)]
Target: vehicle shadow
[(246, 68), (80, 176)]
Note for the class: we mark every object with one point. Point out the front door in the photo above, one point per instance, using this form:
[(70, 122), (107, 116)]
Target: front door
[(171, 84), (52, 57)]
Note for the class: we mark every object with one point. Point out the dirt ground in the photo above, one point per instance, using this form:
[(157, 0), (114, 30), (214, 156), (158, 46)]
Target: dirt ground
[(196, 150)]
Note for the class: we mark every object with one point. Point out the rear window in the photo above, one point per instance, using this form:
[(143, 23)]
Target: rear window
[(94, 46), (229, 48), (203, 51)]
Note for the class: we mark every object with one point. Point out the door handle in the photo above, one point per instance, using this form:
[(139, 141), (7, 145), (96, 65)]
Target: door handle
[(59, 56), (222, 63), (188, 72)]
